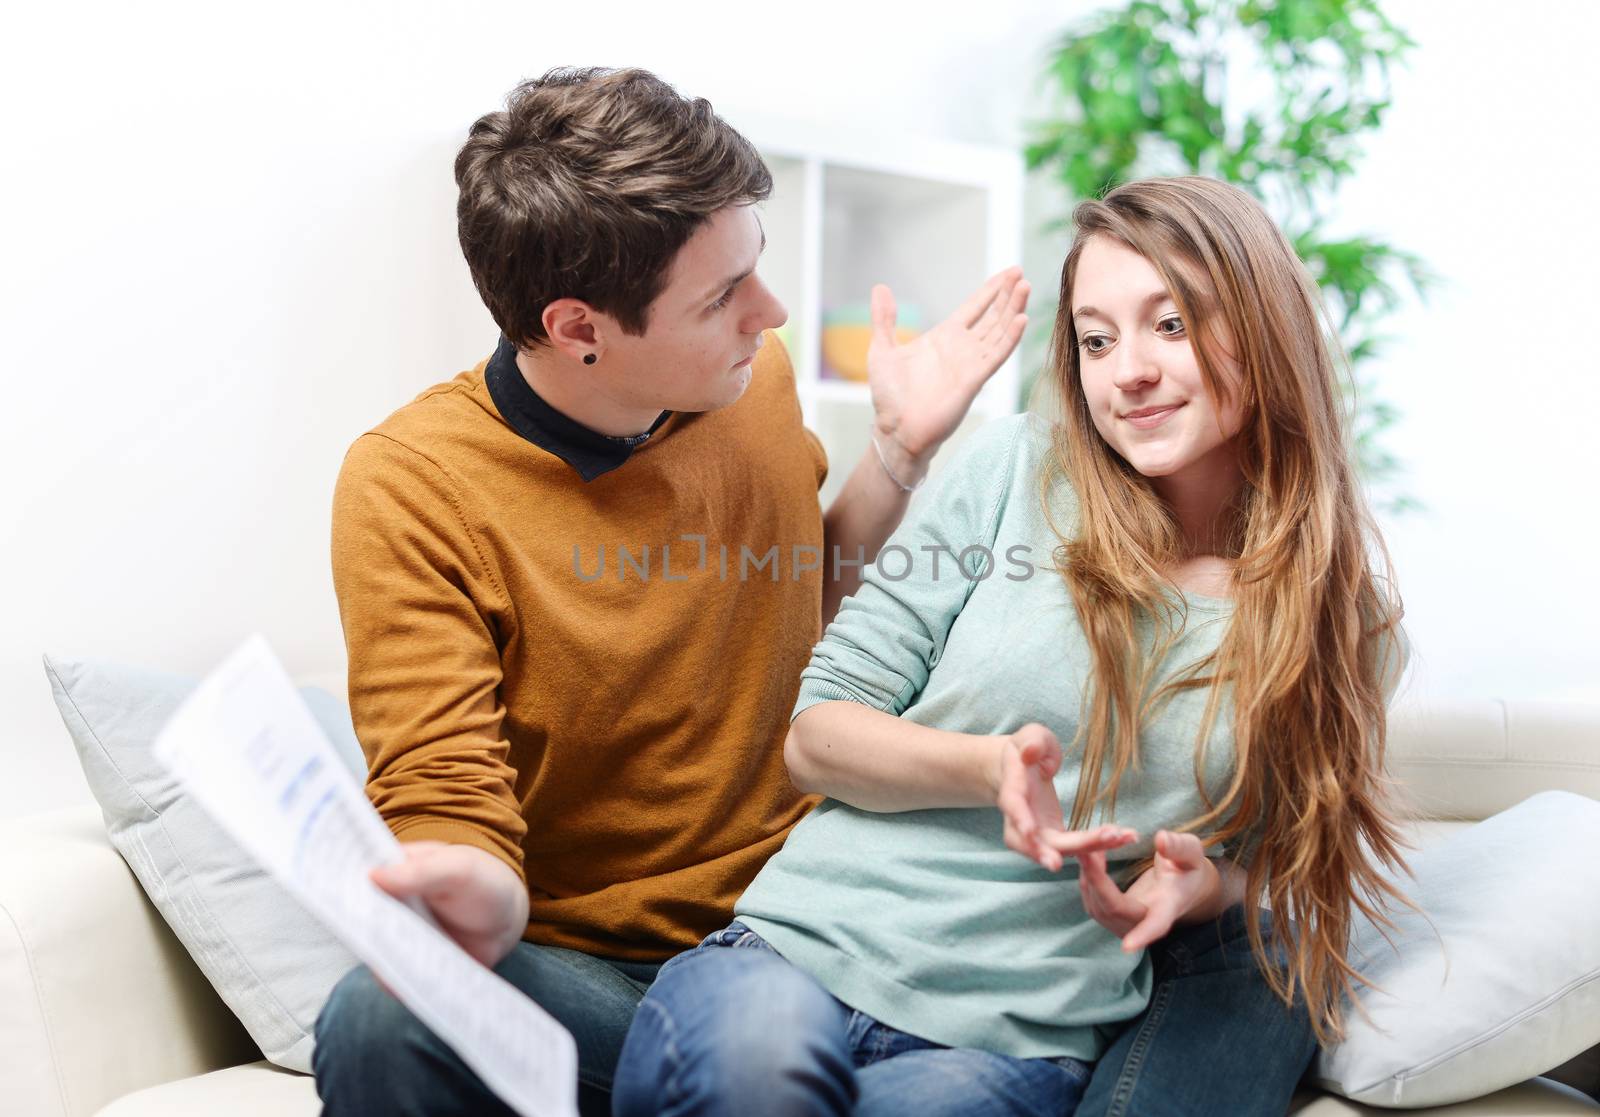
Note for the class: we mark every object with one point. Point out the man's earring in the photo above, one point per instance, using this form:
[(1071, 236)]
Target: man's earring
[(590, 358)]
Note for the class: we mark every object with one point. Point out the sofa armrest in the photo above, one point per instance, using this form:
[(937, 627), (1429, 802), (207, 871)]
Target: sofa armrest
[(1471, 758), (97, 998)]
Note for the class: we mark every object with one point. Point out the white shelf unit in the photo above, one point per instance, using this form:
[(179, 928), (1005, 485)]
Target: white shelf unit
[(931, 219)]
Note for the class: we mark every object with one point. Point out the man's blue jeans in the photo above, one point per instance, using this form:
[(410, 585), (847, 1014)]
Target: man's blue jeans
[(727, 1030), (373, 1056)]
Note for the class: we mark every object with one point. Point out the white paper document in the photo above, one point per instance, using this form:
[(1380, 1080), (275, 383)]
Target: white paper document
[(245, 746)]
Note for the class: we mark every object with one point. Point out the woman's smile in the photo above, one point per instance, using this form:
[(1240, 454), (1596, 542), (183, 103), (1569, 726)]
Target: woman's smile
[(1148, 417)]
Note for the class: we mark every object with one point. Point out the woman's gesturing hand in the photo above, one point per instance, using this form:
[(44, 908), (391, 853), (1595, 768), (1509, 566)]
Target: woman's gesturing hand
[(1181, 882), (1025, 792)]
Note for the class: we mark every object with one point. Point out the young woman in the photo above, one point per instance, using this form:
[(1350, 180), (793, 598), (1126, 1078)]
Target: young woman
[(1175, 579)]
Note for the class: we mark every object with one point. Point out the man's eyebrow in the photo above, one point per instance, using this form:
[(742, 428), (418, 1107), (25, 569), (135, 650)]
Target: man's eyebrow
[(1149, 300), (733, 282)]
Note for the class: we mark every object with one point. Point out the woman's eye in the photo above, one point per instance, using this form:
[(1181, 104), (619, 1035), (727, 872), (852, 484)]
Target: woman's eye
[(1174, 321), (1094, 343)]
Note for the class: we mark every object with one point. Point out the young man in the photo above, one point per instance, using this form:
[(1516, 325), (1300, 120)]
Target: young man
[(578, 583)]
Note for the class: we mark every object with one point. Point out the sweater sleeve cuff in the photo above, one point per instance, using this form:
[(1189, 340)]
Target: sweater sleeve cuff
[(422, 829), (816, 691)]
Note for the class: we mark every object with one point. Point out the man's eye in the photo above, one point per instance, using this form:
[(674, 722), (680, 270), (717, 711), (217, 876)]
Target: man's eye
[(724, 301)]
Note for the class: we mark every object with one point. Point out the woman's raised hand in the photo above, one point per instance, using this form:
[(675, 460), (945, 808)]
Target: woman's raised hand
[(1182, 881), (1025, 792)]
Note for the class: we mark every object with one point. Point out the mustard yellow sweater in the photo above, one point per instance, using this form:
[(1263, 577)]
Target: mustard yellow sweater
[(545, 668)]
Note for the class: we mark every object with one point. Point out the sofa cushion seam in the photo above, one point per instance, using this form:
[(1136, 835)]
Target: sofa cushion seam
[(44, 1013)]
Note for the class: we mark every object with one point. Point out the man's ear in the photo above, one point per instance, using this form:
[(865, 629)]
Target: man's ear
[(574, 328)]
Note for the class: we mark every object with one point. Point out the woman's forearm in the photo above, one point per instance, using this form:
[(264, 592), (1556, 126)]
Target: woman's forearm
[(880, 762)]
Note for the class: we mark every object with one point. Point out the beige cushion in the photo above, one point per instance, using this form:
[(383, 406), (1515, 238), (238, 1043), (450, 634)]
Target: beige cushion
[(1469, 759), (96, 996), (253, 1090)]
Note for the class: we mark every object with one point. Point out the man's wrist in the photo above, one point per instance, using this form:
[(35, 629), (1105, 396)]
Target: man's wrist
[(904, 466)]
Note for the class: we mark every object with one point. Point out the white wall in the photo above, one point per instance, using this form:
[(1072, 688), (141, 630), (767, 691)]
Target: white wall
[(1486, 168), (229, 248)]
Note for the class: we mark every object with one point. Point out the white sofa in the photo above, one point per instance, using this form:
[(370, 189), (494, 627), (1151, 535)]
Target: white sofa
[(102, 1012)]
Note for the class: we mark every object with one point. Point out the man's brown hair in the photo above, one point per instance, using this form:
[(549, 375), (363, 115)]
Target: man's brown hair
[(586, 186)]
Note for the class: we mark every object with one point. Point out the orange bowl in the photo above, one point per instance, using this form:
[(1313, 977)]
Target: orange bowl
[(844, 348)]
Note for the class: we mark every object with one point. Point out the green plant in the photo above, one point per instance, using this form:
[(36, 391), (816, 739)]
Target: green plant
[(1272, 96)]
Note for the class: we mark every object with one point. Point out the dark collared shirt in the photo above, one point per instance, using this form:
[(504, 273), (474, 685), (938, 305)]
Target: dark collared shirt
[(587, 451)]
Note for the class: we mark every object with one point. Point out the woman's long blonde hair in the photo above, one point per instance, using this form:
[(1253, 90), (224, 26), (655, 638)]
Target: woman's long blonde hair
[(1314, 637)]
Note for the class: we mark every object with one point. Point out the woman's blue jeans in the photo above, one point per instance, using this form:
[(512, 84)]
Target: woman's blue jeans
[(1214, 1037), (730, 1027)]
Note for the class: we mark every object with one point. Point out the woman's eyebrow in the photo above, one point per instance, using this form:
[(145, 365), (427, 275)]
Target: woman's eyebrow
[(1149, 300)]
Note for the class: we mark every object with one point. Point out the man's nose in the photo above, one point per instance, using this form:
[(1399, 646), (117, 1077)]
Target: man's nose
[(763, 312)]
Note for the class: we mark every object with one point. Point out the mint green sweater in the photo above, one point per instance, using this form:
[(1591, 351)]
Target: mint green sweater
[(924, 919)]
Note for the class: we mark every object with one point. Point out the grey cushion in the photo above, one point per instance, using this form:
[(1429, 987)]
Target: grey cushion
[(271, 962), (1510, 986)]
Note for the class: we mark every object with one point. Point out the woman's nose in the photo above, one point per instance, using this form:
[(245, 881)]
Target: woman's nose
[(1134, 367)]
